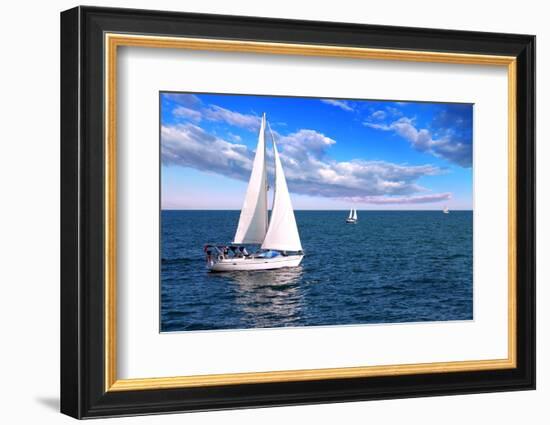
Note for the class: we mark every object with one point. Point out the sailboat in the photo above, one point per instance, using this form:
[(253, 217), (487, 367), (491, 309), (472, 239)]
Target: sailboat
[(446, 210), (352, 219), (278, 236)]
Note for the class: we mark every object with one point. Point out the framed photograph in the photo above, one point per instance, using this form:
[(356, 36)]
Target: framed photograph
[(261, 212)]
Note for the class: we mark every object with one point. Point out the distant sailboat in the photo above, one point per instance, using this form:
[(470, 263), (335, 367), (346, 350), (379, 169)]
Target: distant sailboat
[(278, 236), (352, 218), (446, 210)]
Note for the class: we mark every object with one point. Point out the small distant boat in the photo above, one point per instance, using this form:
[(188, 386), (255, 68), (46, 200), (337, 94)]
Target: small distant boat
[(278, 236), (446, 210), (352, 219)]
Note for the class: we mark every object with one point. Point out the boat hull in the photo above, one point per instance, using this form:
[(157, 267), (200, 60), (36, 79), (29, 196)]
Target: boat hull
[(250, 264)]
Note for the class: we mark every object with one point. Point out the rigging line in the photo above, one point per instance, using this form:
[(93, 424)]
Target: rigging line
[(266, 227), (270, 131), (275, 168)]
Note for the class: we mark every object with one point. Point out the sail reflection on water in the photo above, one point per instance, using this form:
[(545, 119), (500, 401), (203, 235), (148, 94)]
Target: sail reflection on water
[(267, 297)]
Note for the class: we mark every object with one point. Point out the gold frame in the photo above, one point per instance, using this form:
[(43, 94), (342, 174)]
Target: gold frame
[(113, 41)]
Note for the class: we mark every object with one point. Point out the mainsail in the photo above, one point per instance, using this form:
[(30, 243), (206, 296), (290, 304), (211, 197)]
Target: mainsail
[(252, 226), (282, 234), (354, 216), (350, 214)]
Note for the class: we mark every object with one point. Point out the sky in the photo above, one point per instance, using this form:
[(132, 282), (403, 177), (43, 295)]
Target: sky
[(336, 153)]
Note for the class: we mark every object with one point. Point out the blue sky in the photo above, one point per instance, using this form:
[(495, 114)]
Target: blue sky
[(337, 154)]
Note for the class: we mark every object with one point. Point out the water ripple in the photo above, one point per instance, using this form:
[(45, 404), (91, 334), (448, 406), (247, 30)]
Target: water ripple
[(390, 267)]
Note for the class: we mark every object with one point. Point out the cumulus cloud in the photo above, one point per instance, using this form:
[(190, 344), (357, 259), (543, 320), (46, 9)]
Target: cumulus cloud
[(304, 143), (308, 168), (188, 113), (189, 106), (183, 99), (247, 121), (449, 136), (342, 104), (235, 137), (188, 145), (378, 115)]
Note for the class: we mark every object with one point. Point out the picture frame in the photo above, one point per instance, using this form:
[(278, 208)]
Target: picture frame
[(90, 40)]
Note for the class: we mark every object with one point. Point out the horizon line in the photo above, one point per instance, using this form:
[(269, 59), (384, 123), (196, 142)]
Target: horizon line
[(312, 209)]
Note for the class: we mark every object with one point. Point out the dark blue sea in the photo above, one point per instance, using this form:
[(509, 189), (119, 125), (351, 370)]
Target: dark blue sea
[(390, 267)]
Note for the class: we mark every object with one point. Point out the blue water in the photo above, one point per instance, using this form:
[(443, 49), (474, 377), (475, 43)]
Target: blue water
[(398, 266)]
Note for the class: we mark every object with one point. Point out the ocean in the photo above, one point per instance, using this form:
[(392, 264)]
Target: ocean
[(390, 267)]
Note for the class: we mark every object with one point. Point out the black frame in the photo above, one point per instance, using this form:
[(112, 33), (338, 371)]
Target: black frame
[(82, 217)]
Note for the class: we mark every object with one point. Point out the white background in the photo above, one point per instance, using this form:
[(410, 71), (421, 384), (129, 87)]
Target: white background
[(29, 225), (144, 72)]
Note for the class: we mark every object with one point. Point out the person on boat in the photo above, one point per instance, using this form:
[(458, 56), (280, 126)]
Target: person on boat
[(208, 254)]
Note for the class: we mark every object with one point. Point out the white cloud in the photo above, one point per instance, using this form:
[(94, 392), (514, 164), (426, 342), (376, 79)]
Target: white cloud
[(190, 146), (183, 99), (235, 137), (342, 104), (378, 115), (217, 113), (376, 126), (183, 112), (308, 168), (190, 107), (304, 142), (446, 146)]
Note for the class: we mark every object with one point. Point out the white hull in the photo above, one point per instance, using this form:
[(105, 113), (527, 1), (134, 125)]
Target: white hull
[(351, 221), (243, 264)]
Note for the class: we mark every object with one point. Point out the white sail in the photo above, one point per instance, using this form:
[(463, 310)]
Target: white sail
[(350, 214), (354, 214), (282, 234), (253, 220)]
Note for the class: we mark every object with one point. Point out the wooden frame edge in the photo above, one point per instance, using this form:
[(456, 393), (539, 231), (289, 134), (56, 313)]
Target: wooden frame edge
[(512, 212), (137, 384), (114, 40), (110, 213)]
